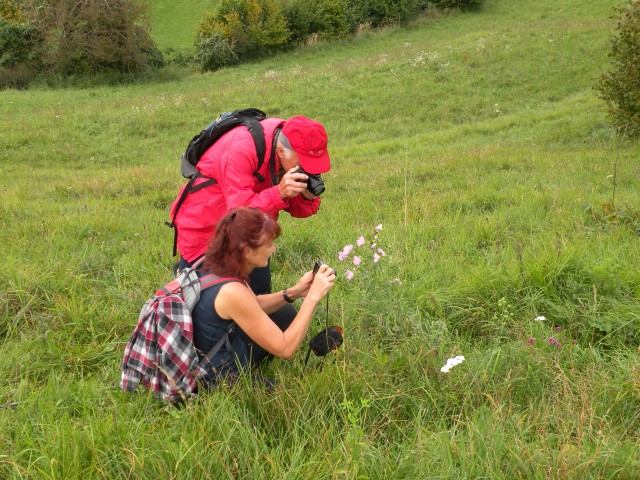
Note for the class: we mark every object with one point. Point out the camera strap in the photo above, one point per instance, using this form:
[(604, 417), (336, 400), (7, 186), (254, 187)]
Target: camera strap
[(272, 157), (330, 338)]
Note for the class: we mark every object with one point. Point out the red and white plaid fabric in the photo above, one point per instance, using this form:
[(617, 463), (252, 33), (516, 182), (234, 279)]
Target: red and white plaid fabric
[(160, 353)]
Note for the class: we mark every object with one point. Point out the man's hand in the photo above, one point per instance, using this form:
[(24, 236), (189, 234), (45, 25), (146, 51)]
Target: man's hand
[(293, 183), (307, 195)]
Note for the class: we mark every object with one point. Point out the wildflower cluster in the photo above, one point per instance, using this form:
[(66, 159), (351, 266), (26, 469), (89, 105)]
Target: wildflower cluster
[(554, 340), (347, 250)]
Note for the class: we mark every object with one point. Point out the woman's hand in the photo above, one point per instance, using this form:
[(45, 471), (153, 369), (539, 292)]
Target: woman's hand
[(301, 288), (322, 283)]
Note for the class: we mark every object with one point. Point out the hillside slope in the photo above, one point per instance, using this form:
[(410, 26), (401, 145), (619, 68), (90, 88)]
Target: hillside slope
[(510, 221), (174, 21)]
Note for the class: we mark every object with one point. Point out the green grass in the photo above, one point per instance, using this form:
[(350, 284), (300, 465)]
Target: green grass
[(478, 143), (174, 22)]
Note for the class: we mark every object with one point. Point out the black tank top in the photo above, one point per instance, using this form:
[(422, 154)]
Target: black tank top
[(208, 328)]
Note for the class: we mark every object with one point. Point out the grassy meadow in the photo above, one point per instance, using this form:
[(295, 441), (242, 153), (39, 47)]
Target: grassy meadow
[(174, 21), (478, 143)]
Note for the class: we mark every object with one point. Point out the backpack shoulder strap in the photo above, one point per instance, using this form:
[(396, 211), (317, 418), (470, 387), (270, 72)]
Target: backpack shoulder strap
[(209, 281), (189, 188), (257, 132), (224, 339)]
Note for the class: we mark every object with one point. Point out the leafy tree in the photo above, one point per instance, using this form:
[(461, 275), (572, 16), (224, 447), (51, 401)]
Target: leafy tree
[(10, 11), (68, 37), (95, 36), (329, 19), (254, 28), (214, 52), (620, 87)]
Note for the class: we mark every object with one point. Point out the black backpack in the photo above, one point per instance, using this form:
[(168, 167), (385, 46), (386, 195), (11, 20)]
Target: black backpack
[(250, 118)]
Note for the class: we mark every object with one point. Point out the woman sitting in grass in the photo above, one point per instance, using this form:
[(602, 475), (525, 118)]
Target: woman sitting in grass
[(269, 325)]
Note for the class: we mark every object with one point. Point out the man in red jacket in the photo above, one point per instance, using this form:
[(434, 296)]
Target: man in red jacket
[(232, 162)]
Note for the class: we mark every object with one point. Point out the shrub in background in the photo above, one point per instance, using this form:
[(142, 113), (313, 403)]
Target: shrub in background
[(326, 19), (253, 28), (18, 43), (97, 36), (457, 4), (620, 87), (378, 13), (19, 47), (10, 11), (214, 52)]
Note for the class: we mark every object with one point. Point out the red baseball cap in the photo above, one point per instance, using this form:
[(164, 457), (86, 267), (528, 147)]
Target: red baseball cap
[(308, 139)]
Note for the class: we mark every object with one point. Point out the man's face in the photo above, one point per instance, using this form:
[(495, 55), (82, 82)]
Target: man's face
[(288, 158)]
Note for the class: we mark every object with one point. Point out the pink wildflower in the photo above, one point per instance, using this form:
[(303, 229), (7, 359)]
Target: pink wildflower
[(531, 341), (373, 245), (349, 274), (378, 228), (342, 256), (381, 252), (376, 258), (360, 241), (554, 342), (347, 249), (357, 260)]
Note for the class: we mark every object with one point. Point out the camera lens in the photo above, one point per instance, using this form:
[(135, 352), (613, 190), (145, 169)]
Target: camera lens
[(315, 185)]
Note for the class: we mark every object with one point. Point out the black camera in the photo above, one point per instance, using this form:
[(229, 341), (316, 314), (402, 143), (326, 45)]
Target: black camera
[(315, 185), (317, 266)]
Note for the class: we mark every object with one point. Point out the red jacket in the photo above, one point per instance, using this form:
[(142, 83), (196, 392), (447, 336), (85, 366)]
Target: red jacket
[(232, 160)]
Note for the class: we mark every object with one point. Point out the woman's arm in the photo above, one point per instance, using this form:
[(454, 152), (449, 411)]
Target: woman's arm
[(272, 302), (236, 302)]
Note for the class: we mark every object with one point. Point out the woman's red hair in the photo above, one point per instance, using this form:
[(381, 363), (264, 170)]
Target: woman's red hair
[(240, 228)]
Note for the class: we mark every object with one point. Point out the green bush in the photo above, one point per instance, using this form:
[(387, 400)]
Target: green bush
[(457, 4), (383, 12), (18, 43), (88, 37), (254, 28), (181, 57), (214, 52), (328, 19), (19, 53), (10, 10), (620, 87)]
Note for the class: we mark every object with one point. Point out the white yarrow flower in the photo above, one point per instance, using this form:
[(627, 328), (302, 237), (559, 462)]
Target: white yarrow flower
[(540, 318), (452, 362)]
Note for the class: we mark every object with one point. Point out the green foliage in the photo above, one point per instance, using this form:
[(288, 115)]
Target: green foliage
[(254, 28), (457, 4), (620, 87), (326, 19), (10, 11), (182, 57), (19, 52), (214, 52), (18, 43), (95, 37), (382, 12), (66, 37)]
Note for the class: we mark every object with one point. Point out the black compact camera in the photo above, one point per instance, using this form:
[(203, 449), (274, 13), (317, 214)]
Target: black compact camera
[(315, 185), (317, 266)]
